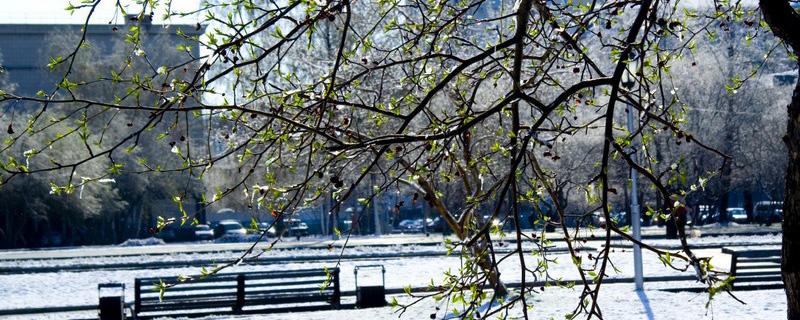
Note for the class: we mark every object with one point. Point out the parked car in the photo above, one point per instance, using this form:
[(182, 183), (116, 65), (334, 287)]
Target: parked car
[(598, 219), (176, 232), (229, 228), (438, 225), (738, 215), (410, 225), (168, 233), (293, 228), (296, 227), (768, 212), (268, 227), (708, 214), (203, 232)]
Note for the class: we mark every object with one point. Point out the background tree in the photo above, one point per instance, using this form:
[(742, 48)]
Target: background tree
[(477, 96), (116, 208), (731, 104)]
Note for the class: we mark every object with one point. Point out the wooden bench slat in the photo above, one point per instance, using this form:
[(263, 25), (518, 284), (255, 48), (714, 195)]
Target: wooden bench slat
[(166, 303), (285, 299), (248, 275), (187, 305), (182, 288), (752, 279), (320, 274), (313, 282), (287, 287), (327, 291), (755, 260), (758, 266), (249, 302), (196, 279), (214, 299), (192, 295)]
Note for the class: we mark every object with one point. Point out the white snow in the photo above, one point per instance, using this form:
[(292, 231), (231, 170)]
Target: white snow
[(617, 301), (80, 288), (152, 241)]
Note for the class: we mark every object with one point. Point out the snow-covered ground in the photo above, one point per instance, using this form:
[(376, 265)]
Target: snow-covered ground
[(80, 288), (709, 241), (617, 301), (218, 256)]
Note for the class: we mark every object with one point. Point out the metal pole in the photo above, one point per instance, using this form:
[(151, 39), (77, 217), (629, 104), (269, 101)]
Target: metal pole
[(635, 223), (333, 218)]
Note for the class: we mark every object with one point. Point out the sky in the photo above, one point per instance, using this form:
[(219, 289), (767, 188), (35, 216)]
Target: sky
[(53, 11)]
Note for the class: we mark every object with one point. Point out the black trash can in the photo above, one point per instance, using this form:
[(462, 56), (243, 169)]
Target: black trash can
[(112, 301), (373, 295)]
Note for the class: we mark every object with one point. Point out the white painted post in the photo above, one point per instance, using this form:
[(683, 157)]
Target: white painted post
[(628, 81), (635, 214)]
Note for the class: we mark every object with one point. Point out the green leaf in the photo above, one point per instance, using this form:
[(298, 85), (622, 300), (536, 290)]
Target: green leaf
[(54, 61), (253, 223)]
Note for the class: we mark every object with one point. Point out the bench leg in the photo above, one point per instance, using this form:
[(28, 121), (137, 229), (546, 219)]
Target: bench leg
[(734, 260), (237, 308), (336, 300)]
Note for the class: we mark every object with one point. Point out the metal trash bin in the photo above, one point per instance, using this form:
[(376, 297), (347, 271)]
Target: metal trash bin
[(112, 301), (371, 296)]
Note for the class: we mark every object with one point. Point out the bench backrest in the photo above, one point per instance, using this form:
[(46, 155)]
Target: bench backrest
[(239, 290), (754, 259)]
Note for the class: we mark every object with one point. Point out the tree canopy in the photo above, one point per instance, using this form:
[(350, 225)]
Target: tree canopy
[(500, 106)]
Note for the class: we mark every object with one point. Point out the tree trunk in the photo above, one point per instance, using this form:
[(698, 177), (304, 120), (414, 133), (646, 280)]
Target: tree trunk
[(485, 260), (4, 231), (136, 208), (790, 266), (748, 205), (723, 200), (783, 20)]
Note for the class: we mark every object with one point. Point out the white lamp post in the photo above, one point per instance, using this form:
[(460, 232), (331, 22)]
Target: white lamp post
[(628, 81)]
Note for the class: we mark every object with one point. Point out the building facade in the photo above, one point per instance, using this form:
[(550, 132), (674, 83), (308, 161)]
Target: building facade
[(25, 48)]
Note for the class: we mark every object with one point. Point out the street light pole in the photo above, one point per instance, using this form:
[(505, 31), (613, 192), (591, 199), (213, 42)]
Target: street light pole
[(628, 82), (635, 220)]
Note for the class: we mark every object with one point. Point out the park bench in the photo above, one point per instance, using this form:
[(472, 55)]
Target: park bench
[(239, 293), (755, 268)]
